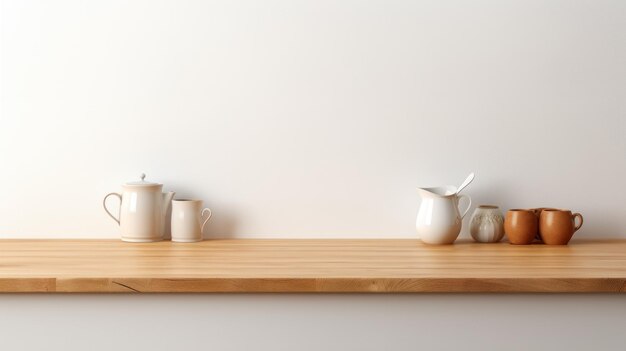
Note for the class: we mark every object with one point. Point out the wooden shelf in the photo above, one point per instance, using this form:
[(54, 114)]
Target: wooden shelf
[(382, 266)]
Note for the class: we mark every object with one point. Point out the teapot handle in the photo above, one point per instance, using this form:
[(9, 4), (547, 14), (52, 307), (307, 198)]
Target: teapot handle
[(469, 199), (104, 204), (207, 219)]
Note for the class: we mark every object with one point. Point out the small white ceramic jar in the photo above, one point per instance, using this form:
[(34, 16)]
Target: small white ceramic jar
[(487, 224), (188, 220)]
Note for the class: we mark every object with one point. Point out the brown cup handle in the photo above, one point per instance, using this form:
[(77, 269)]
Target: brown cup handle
[(579, 224)]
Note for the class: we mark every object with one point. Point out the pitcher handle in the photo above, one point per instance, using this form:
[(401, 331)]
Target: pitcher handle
[(207, 219), (468, 205), (104, 204), (581, 221)]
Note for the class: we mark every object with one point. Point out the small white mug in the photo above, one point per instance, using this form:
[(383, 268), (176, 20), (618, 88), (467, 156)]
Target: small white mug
[(187, 220)]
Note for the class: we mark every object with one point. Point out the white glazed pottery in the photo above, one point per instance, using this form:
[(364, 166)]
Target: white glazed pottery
[(487, 224), (143, 207), (438, 219), (187, 220)]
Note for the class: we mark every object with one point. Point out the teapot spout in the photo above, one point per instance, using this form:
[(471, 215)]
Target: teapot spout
[(167, 200)]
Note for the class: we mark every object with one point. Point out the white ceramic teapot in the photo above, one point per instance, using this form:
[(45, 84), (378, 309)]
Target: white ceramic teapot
[(438, 219), (143, 207)]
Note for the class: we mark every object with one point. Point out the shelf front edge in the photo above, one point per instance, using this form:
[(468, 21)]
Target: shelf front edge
[(312, 285)]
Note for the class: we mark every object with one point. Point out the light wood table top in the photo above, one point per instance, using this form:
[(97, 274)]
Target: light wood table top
[(392, 266)]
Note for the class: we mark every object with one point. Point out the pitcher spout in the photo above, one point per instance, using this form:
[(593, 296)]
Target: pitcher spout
[(437, 191)]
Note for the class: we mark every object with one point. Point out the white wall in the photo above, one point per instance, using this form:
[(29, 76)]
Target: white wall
[(307, 322), (302, 118)]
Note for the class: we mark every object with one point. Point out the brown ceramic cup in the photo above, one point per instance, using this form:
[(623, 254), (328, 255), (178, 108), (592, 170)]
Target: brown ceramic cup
[(558, 226), (538, 211), (520, 226)]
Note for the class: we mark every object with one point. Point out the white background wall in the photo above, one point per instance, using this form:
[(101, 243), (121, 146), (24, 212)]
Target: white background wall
[(313, 322), (302, 118)]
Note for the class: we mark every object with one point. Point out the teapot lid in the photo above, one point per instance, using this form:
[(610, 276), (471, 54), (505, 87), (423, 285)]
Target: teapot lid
[(142, 182)]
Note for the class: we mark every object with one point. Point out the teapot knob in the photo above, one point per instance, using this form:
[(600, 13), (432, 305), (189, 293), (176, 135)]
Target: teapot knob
[(143, 176)]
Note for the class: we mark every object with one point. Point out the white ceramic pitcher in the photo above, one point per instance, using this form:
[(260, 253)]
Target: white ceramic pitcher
[(438, 219), (143, 207)]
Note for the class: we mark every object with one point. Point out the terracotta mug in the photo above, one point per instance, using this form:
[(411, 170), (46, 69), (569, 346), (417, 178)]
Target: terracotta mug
[(520, 226), (558, 226), (538, 211)]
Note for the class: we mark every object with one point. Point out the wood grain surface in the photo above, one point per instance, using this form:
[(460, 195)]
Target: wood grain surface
[(373, 266)]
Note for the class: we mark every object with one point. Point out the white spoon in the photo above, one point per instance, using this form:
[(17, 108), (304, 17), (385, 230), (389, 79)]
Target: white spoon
[(466, 182)]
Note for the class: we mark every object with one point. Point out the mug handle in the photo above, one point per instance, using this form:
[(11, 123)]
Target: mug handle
[(468, 205), (104, 204), (579, 224), (207, 219)]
